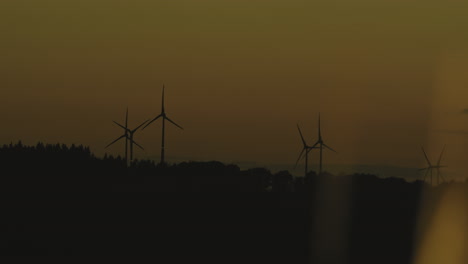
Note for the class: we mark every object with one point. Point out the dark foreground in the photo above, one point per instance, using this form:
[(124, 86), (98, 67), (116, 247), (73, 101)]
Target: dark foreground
[(253, 228), (189, 227), (66, 202)]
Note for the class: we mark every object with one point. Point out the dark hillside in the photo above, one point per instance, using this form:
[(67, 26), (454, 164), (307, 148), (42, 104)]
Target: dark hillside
[(61, 200)]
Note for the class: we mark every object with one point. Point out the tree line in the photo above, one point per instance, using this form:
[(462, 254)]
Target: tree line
[(59, 167)]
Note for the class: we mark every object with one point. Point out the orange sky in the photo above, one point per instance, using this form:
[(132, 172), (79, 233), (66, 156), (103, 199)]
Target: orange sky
[(387, 76)]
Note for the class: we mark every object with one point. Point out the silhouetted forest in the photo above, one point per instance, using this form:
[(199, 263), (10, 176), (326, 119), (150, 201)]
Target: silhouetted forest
[(62, 200)]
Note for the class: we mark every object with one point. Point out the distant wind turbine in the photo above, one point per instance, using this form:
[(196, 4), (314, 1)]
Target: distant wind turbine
[(164, 118), (128, 135), (321, 144), (305, 149), (430, 167)]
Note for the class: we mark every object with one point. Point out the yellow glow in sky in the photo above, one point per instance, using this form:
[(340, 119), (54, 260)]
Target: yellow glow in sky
[(387, 76)]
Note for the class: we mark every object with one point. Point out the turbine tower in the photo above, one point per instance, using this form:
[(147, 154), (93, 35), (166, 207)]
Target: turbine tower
[(430, 167), (321, 144), (125, 135), (164, 118), (305, 148)]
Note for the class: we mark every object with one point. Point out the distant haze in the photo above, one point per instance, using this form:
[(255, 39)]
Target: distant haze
[(387, 76)]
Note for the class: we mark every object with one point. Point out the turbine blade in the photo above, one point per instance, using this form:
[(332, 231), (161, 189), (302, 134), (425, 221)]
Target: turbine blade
[(441, 176), (440, 157), (309, 149), (315, 145), (116, 140), (120, 125), (133, 141), (302, 138), (134, 130), (425, 175), (168, 119), (427, 159), (330, 148), (300, 156), (154, 119)]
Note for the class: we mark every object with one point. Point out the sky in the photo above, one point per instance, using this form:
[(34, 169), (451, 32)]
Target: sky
[(387, 77)]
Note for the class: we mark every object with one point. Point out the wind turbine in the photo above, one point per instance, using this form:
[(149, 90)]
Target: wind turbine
[(321, 145), (130, 134), (125, 135), (305, 148), (164, 118), (430, 167)]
